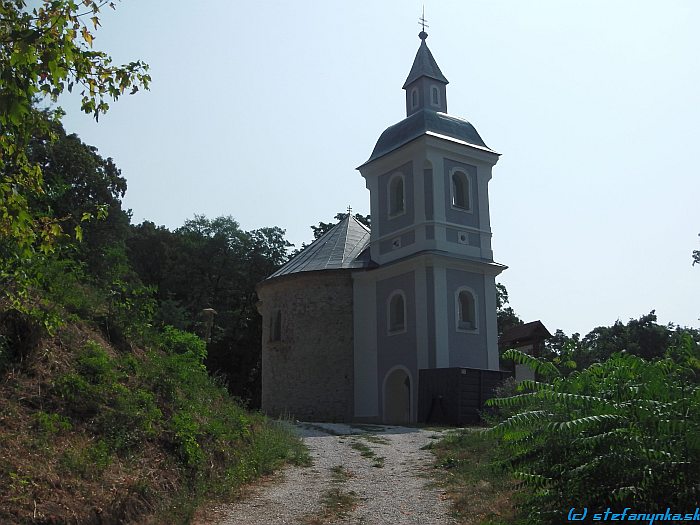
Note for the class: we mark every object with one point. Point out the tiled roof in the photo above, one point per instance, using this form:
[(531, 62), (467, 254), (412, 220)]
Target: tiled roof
[(345, 245)]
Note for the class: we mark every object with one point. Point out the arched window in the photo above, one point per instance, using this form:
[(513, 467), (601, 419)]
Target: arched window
[(397, 313), (276, 326), (414, 98), (396, 195), (461, 194), (466, 310), (435, 96)]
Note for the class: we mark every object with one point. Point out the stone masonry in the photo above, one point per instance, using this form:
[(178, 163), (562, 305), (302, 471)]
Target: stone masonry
[(308, 373)]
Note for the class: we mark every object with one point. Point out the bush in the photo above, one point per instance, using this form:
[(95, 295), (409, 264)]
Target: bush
[(49, 424), (88, 462), (622, 433), (180, 342)]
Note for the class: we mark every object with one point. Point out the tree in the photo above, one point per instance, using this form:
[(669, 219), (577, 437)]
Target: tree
[(79, 183), (506, 317), (642, 337), (622, 433), (44, 52), (213, 263), (323, 227)]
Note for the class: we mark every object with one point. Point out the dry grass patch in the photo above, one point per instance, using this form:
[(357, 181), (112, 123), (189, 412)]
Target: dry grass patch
[(481, 493)]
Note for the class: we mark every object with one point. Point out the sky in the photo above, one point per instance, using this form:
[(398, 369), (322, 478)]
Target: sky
[(263, 110)]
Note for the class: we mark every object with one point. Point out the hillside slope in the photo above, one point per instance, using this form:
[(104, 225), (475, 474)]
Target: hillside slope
[(92, 434)]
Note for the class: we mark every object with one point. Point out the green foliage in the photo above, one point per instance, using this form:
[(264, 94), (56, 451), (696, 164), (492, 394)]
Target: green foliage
[(467, 467), (186, 430), (643, 337), (87, 462), (129, 417), (212, 263), (95, 365), (6, 353), (65, 283), (323, 227), (44, 51), (181, 342), (130, 310), (49, 424), (624, 432), (506, 317)]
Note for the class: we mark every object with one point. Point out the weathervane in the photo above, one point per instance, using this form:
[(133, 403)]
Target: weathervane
[(423, 35)]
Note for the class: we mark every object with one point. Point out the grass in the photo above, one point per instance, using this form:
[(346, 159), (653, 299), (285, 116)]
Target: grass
[(367, 452), (373, 438), (481, 493), (336, 502), (340, 475)]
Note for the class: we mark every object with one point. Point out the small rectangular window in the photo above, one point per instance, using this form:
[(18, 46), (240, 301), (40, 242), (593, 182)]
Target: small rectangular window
[(276, 326)]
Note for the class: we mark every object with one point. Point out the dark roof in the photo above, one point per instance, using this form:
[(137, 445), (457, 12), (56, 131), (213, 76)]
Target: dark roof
[(532, 331), (345, 245), (424, 65), (422, 122)]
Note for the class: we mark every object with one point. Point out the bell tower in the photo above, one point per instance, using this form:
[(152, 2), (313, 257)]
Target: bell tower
[(431, 300)]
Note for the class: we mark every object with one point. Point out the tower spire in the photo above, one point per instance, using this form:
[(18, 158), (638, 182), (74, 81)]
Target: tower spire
[(426, 85)]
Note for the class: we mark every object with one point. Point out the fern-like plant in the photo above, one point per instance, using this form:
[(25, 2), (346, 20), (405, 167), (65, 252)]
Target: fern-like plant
[(622, 433)]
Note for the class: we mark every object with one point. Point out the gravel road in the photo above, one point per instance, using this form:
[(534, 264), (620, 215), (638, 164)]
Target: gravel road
[(380, 471)]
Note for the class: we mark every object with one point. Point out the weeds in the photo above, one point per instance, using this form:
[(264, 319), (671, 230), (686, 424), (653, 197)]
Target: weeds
[(480, 492), (339, 474), (377, 440), (367, 452), (336, 502)]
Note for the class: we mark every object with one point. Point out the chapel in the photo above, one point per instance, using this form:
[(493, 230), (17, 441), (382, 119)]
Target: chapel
[(350, 322)]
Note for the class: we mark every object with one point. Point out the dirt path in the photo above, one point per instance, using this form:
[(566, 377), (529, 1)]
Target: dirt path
[(360, 475)]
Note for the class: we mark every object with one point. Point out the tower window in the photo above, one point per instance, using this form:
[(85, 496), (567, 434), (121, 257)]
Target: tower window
[(434, 95), (466, 310), (276, 326), (397, 313), (396, 195), (461, 191), (414, 98)]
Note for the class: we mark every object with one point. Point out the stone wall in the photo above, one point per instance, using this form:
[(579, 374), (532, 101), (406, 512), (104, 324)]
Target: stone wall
[(308, 373)]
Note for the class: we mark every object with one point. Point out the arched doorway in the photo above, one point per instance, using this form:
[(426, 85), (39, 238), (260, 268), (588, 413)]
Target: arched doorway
[(397, 397)]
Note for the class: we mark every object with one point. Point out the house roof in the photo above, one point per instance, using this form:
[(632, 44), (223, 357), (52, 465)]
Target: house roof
[(424, 64), (344, 246), (532, 331)]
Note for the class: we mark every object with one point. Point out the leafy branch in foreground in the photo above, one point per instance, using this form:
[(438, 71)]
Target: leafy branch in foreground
[(43, 52), (625, 432)]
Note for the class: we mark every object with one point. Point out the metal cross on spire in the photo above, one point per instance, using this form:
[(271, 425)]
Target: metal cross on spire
[(349, 210), (423, 35)]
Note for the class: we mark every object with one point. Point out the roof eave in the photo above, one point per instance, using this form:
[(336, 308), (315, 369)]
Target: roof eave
[(431, 134)]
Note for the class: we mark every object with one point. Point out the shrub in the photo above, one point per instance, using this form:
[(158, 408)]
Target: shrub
[(622, 433), (88, 462), (48, 424), (95, 364), (180, 342), (129, 417), (186, 431)]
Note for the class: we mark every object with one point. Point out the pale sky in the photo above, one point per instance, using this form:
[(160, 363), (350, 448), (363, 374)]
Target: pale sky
[(262, 110)]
